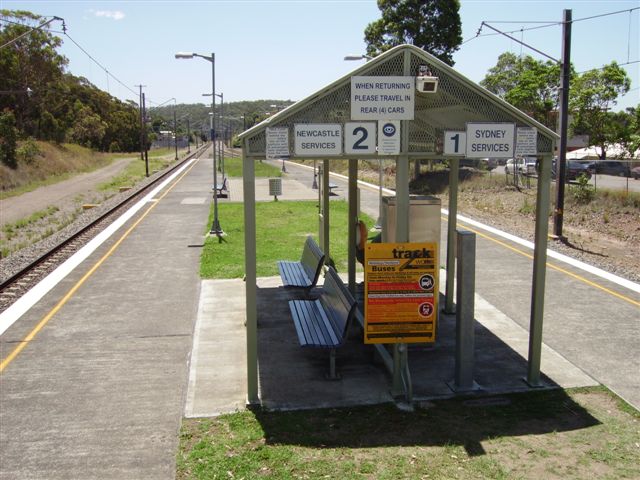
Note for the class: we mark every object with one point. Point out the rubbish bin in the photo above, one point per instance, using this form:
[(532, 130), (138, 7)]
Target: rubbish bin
[(424, 219)]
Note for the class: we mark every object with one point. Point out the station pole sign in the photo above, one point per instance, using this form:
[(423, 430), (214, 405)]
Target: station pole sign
[(389, 137), (360, 138), (277, 142), (455, 143), (526, 142), (318, 139), (493, 140), (382, 98), (401, 292)]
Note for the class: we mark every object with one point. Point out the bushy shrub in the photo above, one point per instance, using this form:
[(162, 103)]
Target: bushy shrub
[(28, 151)]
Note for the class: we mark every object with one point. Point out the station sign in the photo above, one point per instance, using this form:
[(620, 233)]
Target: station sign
[(277, 142), (401, 292), (382, 98), (526, 141), (360, 137), (318, 139), (389, 137), (493, 140), (455, 143)]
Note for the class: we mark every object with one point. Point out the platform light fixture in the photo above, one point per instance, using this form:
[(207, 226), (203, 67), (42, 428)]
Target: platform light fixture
[(215, 227)]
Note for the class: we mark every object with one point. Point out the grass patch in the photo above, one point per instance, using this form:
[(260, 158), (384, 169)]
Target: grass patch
[(12, 229), (233, 168), (550, 434), (281, 230), (135, 172)]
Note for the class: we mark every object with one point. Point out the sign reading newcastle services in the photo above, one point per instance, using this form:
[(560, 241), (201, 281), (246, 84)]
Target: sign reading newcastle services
[(492, 140), (382, 98), (318, 139), (401, 292)]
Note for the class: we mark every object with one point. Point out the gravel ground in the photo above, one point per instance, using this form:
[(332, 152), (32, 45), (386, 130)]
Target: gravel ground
[(18, 260)]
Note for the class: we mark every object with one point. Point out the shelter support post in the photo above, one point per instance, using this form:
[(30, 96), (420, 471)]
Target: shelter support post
[(250, 276), (465, 311), (401, 383), (454, 171), (353, 215), (539, 273), (325, 210)]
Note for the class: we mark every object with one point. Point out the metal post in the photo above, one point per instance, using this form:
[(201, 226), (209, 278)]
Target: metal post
[(314, 185), (188, 136), (380, 187), (454, 171), (141, 126), (251, 289), (325, 209), (353, 217), (144, 136), (561, 168), (465, 311), (175, 130), (539, 274), (215, 227)]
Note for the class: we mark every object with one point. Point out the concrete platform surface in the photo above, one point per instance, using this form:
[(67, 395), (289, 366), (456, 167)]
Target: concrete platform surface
[(291, 377)]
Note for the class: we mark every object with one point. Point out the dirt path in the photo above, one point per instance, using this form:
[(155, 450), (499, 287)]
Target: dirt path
[(62, 195)]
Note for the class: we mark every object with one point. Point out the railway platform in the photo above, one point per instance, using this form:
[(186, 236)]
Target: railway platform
[(132, 340)]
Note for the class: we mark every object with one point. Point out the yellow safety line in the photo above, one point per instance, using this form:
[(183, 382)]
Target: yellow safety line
[(21, 346), (550, 265)]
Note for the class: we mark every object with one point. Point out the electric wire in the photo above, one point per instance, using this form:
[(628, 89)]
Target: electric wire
[(33, 29), (101, 66)]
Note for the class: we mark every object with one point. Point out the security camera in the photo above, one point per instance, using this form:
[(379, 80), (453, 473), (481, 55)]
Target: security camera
[(427, 84)]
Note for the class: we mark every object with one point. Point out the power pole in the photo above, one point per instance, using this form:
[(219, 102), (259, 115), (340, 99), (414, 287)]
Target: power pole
[(561, 167), (144, 135), (141, 124)]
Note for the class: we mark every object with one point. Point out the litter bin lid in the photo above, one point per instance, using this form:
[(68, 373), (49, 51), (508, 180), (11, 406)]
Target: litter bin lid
[(414, 200)]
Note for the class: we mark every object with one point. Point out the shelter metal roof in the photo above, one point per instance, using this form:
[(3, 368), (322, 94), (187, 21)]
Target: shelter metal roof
[(457, 101)]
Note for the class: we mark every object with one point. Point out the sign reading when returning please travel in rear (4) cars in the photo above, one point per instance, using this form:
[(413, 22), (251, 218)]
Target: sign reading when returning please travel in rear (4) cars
[(493, 140)]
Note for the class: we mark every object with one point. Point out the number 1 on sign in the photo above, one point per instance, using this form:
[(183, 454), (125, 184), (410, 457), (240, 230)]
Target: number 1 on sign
[(455, 143)]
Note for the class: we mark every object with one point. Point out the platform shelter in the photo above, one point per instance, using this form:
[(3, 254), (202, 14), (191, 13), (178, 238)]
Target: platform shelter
[(404, 105)]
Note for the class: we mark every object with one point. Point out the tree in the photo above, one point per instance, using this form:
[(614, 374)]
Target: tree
[(594, 93), (8, 139), (528, 84), (433, 25), (89, 129)]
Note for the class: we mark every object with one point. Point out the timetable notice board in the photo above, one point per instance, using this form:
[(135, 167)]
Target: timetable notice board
[(401, 292)]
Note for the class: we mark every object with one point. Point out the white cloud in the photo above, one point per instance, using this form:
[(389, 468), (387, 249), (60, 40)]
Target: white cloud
[(114, 14)]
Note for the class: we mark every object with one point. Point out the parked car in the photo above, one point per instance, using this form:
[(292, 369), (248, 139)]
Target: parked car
[(525, 166), (635, 172), (573, 170), (610, 167)]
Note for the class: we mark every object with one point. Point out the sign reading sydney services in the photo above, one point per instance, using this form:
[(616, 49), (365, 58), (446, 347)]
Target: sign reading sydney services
[(492, 140), (382, 98), (318, 139)]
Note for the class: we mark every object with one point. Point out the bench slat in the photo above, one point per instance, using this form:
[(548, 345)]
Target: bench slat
[(305, 272)]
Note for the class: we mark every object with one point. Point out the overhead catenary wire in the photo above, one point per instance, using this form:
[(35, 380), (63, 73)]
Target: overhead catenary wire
[(42, 25), (100, 65)]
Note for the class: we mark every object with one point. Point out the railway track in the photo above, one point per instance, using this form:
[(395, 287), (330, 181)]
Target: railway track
[(19, 282)]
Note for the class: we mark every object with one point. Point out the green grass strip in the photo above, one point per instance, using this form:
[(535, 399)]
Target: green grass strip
[(281, 231), (233, 168)]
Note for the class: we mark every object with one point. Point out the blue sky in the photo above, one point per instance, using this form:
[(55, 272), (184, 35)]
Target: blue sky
[(268, 49)]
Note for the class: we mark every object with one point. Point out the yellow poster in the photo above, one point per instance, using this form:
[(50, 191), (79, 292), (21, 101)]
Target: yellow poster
[(401, 292)]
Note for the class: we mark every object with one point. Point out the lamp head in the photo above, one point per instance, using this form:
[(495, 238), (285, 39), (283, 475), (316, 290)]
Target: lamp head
[(184, 55)]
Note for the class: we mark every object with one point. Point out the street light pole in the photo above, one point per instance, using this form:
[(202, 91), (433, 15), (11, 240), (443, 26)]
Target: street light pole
[(215, 227), (175, 129)]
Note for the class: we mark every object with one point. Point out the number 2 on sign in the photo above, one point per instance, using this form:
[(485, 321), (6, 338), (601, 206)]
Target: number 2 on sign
[(359, 144)]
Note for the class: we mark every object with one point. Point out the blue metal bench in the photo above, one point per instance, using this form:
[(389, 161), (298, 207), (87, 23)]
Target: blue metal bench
[(221, 187), (305, 273), (324, 322)]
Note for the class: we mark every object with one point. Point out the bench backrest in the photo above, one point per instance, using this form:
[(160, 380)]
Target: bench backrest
[(312, 259), (338, 302)]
